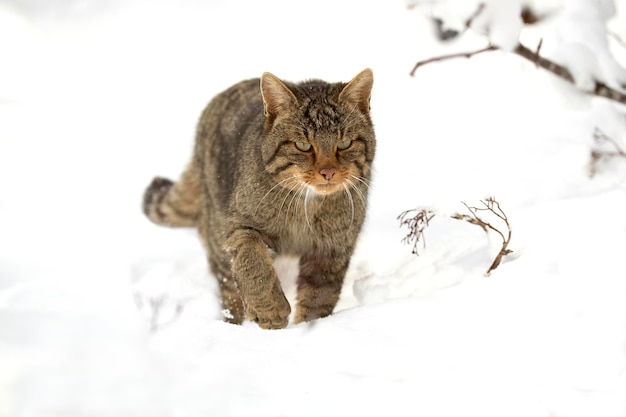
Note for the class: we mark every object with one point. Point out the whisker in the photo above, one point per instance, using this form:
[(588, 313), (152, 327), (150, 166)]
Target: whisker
[(288, 192), (296, 194), (362, 180), (355, 187), (268, 193), (306, 208), (349, 194), (357, 191)]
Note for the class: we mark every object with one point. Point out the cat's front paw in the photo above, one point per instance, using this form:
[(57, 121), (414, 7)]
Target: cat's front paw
[(271, 315)]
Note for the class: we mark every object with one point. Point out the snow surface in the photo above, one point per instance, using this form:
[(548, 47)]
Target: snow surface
[(104, 314)]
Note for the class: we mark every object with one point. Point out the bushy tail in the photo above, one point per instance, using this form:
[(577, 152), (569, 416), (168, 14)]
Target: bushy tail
[(174, 204)]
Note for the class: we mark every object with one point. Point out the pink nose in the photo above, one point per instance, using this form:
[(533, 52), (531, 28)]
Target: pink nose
[(327, 173)]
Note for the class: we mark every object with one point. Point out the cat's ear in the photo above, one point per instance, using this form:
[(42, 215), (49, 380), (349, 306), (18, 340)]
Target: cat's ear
[(277, 97), (358, 91)]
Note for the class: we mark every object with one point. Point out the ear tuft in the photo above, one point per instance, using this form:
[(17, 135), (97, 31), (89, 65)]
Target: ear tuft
[(358, 91), (277, 97)]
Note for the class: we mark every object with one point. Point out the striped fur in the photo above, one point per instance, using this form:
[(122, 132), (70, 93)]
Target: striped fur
[(174, 204), (278, 168)]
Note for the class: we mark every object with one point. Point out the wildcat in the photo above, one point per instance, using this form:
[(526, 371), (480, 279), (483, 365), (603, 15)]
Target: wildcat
[(277, 168)]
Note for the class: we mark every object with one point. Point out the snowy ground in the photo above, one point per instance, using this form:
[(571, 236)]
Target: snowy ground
[(104, 314)]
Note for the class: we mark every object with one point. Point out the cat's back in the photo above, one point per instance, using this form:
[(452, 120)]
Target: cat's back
[(232, 110), (228, 133)]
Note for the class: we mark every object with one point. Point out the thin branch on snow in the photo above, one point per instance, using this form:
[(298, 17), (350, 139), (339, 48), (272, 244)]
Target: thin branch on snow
[(599, 155), (451, 56), (418, 219), (600, 89), (492, 206), (416, 225)]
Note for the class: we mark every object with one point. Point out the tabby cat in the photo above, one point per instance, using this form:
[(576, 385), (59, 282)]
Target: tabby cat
[(278, 168)]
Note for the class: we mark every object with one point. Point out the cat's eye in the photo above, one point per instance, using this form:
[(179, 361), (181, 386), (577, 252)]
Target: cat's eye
[(344, 144), (303, 146)]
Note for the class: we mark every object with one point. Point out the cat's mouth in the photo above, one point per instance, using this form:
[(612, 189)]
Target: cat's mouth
[(326, 188)]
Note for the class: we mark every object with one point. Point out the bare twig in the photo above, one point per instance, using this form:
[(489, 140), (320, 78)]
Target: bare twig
[(532, 56), (416, 225), (599, 155), (492, 206), (418, 219), (451, 56)]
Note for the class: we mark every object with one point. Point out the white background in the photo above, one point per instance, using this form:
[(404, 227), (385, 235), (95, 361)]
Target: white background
[(104, 314)]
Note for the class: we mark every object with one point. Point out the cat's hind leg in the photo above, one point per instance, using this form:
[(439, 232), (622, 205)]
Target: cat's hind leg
[(174, 204)]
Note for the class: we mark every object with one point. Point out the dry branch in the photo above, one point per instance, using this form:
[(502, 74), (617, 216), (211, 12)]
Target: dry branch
[(450, 56), (418, 219), (492, 206), (416, 225)]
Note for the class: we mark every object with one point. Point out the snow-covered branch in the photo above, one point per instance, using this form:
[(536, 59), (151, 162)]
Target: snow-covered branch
[(588, 64), (599, 89)]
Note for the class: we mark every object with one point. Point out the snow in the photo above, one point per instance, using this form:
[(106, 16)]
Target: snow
[(102, 313), (581, 43), (499, 20)]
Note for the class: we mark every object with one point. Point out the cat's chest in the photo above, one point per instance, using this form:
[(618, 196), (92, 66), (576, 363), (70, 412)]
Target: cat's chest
[(312, 226), (297, 223)]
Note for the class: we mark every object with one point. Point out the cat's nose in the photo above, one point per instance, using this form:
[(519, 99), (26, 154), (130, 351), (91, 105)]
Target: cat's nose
[(327, 173)]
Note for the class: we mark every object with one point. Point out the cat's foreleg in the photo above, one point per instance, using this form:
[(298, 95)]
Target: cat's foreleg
[(263, 298), (232, 305), (319, 285)]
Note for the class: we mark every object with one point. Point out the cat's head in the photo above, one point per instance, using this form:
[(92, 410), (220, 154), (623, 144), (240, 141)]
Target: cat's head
[(318, 136)]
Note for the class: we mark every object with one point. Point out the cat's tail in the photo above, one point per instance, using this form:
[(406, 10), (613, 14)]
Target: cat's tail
[(174, 204)]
